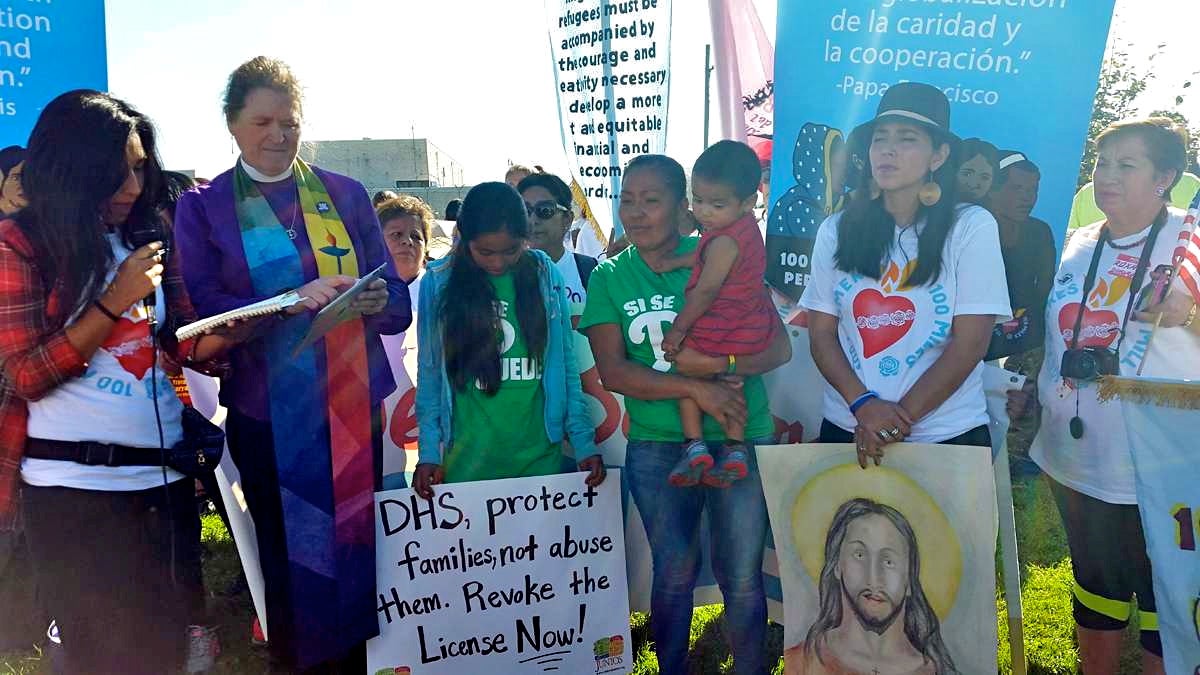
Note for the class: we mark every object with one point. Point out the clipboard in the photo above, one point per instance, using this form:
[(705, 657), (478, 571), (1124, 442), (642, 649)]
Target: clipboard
[(337, 311)]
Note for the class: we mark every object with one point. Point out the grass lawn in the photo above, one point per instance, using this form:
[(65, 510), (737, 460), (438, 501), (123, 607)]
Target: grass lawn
[(1046, 588)]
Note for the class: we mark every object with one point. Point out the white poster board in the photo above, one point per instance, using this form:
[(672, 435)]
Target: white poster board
[(204, 391), (510, 576)]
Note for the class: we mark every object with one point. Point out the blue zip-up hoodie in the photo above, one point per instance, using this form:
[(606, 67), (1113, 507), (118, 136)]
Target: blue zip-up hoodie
[(566, 411)]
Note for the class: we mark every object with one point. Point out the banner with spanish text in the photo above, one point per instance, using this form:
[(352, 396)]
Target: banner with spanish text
[(1003, 66), (47, 48), (611, 74)]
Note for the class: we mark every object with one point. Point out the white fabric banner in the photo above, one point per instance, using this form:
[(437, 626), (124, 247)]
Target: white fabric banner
[(611, 65), (1163, 442), (525, 575), (399, 410), (899, 556), (204, 391)]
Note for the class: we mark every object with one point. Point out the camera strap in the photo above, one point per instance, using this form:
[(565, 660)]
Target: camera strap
[(1139, 275)]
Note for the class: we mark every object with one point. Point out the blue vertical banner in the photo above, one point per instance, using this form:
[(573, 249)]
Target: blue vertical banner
[(46, 48), (1020, 74)]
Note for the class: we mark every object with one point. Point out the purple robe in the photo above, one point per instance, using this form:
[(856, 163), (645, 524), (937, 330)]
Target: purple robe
[(321, 601), (217, 277)]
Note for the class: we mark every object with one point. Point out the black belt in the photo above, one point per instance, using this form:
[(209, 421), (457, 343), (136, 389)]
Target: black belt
[(92, 453)]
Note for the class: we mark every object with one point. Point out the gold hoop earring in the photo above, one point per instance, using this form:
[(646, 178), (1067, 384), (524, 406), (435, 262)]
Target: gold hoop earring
[(931, 192)]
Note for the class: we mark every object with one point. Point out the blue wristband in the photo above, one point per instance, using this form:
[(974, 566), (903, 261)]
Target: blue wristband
[(861, 401)]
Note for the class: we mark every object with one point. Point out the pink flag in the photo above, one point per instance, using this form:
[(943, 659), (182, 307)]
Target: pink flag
[(744, 60)]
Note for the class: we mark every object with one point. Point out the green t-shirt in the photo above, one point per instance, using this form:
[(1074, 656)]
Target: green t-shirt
[(503, 436), (625, 291)]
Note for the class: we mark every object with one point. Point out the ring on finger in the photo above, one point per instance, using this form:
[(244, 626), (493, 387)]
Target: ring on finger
[(895, 432), (884, 435)]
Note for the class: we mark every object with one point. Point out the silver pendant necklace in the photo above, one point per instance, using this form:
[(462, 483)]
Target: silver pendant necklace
[(291, 229)]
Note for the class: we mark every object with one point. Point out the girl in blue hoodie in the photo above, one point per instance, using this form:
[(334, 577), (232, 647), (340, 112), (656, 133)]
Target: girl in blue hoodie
[(497, 381)]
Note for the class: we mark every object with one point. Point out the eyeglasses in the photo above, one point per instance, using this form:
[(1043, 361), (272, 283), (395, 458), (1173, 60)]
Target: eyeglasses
[(544, 210)]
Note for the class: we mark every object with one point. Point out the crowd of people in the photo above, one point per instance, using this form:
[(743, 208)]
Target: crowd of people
[(103, 255)]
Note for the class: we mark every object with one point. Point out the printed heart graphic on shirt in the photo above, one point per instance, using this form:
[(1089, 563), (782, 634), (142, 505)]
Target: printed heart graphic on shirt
[(1098, 328), (129, 344), (882, 319)]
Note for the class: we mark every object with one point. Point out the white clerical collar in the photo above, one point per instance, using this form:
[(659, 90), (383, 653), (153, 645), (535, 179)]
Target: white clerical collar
[(260, 177)]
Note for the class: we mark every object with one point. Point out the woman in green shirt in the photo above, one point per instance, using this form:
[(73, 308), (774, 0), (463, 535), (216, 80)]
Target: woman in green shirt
[(497, 381), (630, 307)]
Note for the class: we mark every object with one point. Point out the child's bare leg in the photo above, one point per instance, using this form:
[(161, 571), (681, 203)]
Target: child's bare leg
[(691, 419), (695, 459), (734, 463)]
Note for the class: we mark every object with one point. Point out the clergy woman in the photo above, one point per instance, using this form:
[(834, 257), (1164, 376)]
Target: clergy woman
[(305, 430)]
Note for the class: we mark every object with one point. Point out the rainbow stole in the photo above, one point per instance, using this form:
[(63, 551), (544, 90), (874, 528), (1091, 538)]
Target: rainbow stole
[(320, 407)]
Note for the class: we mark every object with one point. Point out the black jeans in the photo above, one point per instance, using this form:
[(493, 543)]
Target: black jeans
[(22, 618), (103, 564)]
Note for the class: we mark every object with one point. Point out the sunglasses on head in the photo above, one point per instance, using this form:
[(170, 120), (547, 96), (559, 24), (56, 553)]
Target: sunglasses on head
[(544, 210)]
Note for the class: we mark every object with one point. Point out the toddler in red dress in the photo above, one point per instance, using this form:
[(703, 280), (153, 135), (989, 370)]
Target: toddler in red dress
[(727, 311)]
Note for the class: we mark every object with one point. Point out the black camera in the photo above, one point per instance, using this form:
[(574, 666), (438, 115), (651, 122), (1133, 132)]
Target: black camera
[(1089, 363)]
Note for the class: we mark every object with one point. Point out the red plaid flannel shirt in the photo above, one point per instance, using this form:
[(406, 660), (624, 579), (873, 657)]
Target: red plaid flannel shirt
[(35, 355)]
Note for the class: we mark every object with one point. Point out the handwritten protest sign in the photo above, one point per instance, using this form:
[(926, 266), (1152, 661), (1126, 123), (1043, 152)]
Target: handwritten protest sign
[(511, 576)]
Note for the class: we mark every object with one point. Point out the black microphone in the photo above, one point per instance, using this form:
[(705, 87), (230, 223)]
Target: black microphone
[(139, 236)]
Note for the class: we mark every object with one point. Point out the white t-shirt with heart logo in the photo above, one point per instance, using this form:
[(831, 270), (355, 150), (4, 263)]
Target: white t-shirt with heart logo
[(110, 403), (1099, 464), (891, 334)]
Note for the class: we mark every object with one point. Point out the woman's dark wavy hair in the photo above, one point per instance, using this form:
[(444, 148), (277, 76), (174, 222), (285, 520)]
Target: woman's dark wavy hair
[(867, 231), (10, 157), (175, 184), (470, 323), (921, 625), (74, 164)]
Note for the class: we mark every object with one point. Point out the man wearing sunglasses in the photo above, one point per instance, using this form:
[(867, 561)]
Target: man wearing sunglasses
[(548, 203)]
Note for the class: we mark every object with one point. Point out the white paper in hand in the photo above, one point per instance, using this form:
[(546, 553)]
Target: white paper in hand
[(341, 309)]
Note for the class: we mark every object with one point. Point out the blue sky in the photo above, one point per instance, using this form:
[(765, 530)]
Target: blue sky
[(473, 76)]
